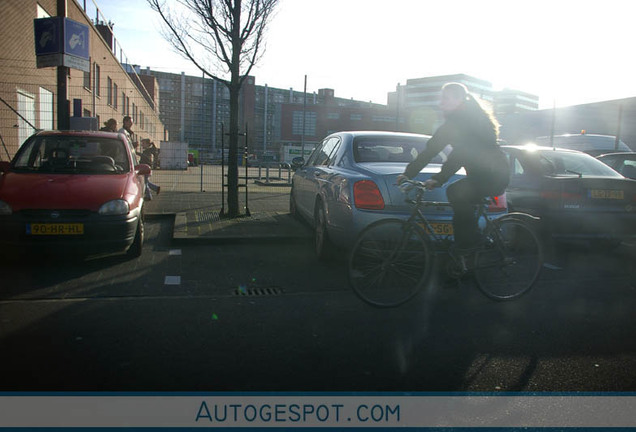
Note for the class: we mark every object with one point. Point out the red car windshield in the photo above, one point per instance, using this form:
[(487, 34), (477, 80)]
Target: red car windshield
[(72, 154)]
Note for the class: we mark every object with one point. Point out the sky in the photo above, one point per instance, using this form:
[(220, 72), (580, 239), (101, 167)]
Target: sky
[(567, 52)]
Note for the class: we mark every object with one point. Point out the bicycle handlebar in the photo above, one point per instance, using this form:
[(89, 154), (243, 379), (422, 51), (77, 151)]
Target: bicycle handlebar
[(408, 185)]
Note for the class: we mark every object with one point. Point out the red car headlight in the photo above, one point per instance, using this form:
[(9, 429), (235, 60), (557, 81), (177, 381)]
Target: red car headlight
[(114, 208)]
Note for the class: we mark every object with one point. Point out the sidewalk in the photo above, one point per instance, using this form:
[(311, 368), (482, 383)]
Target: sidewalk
[(197, 217)]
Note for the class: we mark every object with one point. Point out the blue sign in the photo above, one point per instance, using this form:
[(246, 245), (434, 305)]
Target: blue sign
[(75, 38), (61, 42), (48, 35)]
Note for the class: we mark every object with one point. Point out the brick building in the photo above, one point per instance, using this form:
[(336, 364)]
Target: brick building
[(196, 109), (29, 94)]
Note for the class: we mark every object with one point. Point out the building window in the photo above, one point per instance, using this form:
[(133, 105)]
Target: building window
[(333, 116), (41, 13), (355, 117), (87, 80), (46, 109), (385, 119), (310, 123), (26, 117), (115, 89), (97, 80), (109, 91)]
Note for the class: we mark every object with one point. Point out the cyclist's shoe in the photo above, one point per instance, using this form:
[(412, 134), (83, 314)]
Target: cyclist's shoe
[(459, 266)]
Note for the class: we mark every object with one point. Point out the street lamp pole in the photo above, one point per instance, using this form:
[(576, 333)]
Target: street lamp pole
[(302, 137)]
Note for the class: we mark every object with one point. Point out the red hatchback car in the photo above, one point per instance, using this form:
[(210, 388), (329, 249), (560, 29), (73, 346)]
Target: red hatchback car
[(77, 192)]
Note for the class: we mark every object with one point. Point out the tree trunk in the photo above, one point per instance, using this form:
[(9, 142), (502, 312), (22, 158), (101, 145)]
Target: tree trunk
[(232, 164), (235, 88)]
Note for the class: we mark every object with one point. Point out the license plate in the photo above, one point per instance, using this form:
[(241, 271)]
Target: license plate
[(55, 229), (440, 228), (607, 194)]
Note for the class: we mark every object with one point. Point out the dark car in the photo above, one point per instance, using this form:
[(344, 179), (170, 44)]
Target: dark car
[(73, 192), (592, 144), (623, 162), (576, 196)]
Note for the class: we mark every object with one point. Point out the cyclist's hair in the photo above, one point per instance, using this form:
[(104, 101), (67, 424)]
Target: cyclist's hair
[(473, 105)]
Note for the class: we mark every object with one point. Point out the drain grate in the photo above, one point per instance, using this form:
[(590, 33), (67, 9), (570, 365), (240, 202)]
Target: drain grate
[(206, 216), (258, 292)]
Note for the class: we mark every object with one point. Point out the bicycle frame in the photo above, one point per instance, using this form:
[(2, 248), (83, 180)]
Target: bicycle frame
[(417, 217)]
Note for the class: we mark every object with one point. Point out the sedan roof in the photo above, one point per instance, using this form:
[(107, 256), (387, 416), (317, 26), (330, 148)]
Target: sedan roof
[(379, 133)]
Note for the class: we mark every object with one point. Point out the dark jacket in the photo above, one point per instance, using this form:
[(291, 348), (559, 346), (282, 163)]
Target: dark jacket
[(147, 156), (474, 142)]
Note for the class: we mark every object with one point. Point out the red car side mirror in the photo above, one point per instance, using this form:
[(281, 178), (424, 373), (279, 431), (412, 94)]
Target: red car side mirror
[(143, 169)]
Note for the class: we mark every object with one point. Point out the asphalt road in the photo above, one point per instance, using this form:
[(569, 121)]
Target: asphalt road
[(269, 317)]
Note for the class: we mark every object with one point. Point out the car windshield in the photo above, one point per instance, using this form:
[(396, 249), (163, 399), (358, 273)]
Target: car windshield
[(382, 149), (72, 154), (555, 163)]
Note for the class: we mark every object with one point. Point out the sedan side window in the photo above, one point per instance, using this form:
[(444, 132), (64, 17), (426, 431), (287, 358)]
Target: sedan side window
[(327, 152), (517, 167), (314, 155)]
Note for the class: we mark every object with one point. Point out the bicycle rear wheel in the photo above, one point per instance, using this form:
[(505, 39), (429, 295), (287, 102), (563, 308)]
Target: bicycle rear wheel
[(390, 262), (511, 262)]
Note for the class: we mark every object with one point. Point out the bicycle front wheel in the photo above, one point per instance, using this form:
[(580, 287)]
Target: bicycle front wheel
[(511, 261), (390, 262)]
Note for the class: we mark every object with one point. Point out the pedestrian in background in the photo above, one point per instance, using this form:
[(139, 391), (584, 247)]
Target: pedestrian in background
[(110, 125), (127, 130), (147, 157)]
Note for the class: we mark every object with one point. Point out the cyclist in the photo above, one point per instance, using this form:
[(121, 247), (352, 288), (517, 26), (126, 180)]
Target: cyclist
[(472, 133)]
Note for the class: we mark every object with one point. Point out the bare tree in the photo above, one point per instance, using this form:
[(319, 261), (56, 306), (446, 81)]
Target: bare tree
[(222, 38)]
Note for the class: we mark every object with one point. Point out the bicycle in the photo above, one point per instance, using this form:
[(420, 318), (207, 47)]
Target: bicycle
[(393, 259)]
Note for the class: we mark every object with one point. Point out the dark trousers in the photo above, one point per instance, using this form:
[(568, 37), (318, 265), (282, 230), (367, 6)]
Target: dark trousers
[(463, 195)]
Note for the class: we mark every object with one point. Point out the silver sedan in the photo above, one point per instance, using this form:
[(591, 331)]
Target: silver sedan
[(349, 181)]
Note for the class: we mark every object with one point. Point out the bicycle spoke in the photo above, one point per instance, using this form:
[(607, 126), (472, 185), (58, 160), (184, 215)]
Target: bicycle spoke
[(389, 263), (511, 267)]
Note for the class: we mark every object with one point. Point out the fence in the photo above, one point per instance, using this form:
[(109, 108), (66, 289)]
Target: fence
[(209, 178)]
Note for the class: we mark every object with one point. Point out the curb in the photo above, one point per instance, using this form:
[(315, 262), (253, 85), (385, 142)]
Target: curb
[(262, 227)]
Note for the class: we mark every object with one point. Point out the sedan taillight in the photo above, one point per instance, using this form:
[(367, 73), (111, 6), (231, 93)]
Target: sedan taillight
[(367, 196), (498, 204)]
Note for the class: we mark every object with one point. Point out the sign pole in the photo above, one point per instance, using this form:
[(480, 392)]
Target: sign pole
[(63, 109), (222, 213), (247, 208)]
